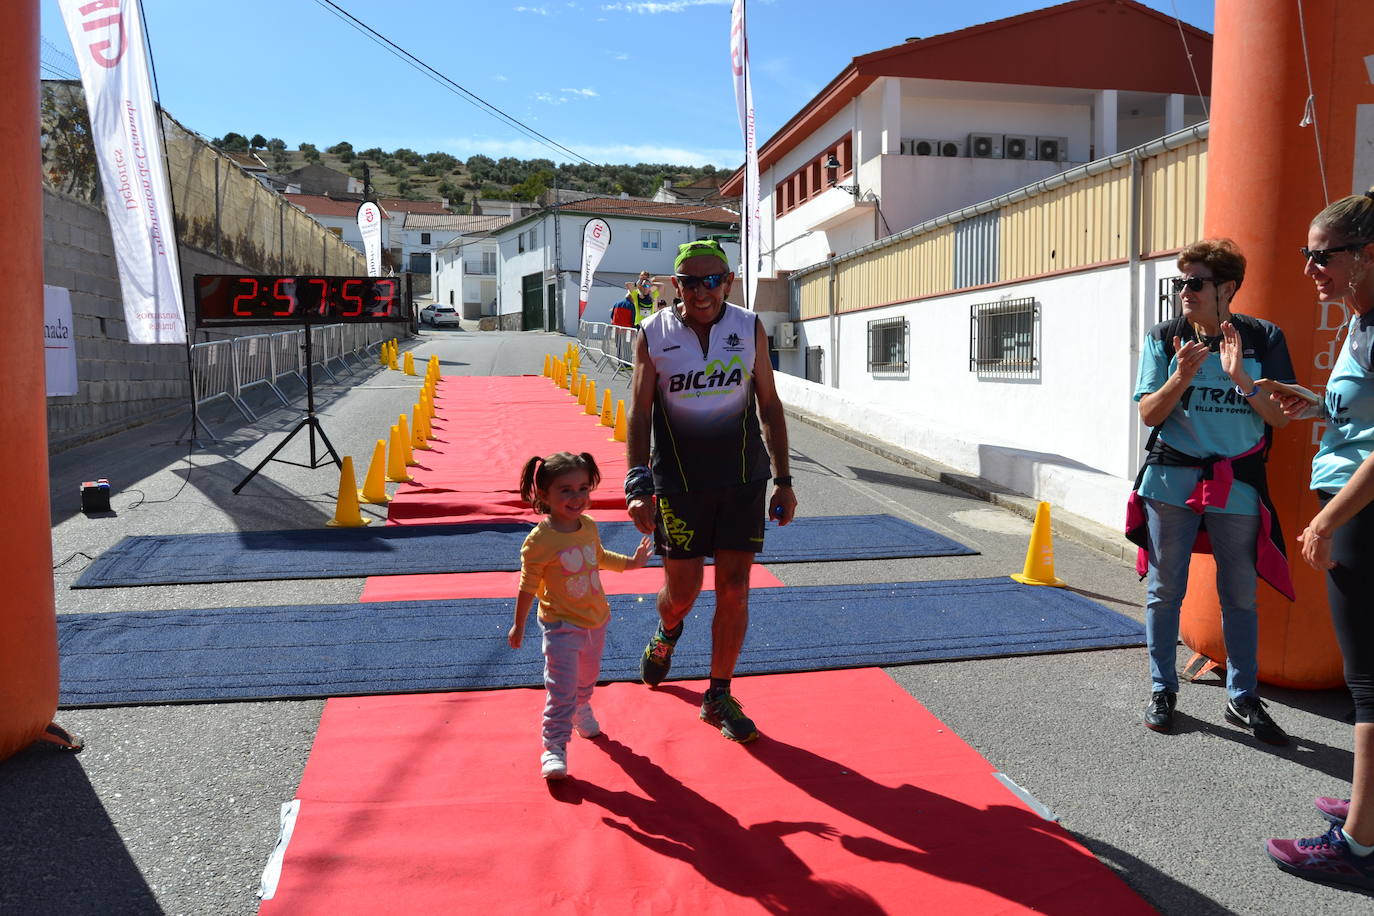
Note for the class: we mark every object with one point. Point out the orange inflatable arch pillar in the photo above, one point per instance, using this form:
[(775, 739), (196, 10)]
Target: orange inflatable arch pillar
[(28, 624), (1264, 185)]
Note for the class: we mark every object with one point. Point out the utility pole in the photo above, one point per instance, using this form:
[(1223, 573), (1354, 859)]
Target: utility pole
[(557, 252)]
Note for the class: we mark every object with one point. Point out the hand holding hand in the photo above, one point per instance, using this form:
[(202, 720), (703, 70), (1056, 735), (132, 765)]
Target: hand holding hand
[(1295, 407)]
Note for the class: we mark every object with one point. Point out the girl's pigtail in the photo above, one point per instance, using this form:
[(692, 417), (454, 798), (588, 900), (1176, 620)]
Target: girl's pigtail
[(528, 476), (593, 472)]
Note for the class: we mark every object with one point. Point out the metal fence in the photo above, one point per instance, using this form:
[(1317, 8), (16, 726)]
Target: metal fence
[(608, 344), (229, 368)]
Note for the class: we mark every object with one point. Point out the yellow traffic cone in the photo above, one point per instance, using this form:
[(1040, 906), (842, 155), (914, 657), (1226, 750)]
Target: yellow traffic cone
[(548, 365), (396, 459), (1040, 553), (590, 399), (346, 514), (428, 431), (417, 434), (395, 365), (577, 383), (607, 412), (404, 426), (374, 485), (619, 434), (381, 355), (410, 364)]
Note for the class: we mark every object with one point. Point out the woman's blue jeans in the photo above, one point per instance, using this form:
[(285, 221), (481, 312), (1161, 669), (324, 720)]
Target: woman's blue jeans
[(1173, 530)]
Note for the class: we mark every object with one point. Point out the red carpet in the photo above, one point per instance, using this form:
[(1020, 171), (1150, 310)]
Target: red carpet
[(505, 584), (486, 428), (433, 803)]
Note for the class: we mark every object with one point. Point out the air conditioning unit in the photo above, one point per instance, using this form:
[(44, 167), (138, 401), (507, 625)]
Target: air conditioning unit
[(1052, 149), (921, 147), (785, 336), (985, 146), (950, 148), (1018, 146)]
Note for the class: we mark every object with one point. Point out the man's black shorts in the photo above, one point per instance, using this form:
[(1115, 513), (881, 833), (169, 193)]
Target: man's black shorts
[(698, 524)]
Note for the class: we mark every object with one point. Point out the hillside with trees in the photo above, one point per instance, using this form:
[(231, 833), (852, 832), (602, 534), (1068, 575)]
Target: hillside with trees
[(409, 174)]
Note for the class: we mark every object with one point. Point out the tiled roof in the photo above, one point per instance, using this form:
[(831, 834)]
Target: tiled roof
[(401, 205), (617, 206), (319, 205), (454, 222)]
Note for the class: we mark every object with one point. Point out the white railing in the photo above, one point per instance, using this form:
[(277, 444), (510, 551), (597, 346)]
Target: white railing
[(229, 368), (608, 344)]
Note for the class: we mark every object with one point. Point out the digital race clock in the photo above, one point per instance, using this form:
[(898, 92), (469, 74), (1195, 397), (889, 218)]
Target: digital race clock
[(239, 299)]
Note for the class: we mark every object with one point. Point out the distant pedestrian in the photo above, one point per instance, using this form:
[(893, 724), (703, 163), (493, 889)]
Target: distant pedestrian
[(1205, 475), (559, 567), (1339, 540)]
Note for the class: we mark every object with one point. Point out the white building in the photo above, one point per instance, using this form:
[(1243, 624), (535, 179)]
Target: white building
[(933, 125), (463, 271), (537, 251), (341, 218)]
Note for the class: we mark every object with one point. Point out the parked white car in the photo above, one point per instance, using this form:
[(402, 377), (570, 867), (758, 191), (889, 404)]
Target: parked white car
[(439, 315)]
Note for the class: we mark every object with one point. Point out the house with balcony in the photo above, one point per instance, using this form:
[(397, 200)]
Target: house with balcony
[(539, 255), (932, 125), (463, 268)]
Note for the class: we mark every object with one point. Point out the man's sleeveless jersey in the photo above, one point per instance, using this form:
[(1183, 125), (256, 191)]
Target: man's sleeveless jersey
[(706, 425)]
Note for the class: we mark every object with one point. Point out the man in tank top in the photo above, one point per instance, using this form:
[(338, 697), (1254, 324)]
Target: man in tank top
[(703, 384)]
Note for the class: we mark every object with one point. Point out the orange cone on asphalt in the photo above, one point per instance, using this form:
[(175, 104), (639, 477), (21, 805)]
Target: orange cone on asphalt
[(346, 514), (374, 485), (417, 435), (396, 459), (410, 364), (1039, 569)]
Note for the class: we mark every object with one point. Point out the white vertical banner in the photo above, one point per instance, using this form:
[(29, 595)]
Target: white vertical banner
[(750, 256), (596, 238), (59, 346), (107, 36), (370, 225)]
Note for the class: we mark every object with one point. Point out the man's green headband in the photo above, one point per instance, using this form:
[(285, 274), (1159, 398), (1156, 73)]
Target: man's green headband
[(700, 247)]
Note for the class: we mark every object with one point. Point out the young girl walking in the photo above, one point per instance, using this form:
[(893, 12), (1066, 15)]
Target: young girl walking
[(559, 565)]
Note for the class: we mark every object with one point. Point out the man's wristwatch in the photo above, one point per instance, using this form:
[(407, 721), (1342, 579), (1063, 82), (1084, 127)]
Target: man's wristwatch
[(782, 481)]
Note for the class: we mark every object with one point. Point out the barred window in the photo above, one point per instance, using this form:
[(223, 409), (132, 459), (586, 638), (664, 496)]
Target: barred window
[(1168, 306), (887, 346), (1002, 338)]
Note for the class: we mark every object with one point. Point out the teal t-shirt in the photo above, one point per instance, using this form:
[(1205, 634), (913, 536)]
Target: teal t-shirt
[(1210, 419), (1349, 436)]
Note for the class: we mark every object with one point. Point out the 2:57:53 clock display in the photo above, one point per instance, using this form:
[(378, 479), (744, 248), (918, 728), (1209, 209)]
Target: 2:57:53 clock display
[(245, 299)]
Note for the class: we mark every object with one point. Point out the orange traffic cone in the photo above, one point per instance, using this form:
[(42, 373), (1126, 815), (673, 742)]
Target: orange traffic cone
[(548, 365), (374, 485), (619, 434), (590, 399), (404, 426), (396, 459), (417, 435), (1040, 553), (607, 412), (346, 514), (410, 364)]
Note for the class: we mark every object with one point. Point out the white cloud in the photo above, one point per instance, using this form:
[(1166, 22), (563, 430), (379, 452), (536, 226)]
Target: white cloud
[(549, 98), (620, 57), (498, 77), (622, 153), (585, 93), (653, 7), (539, 10)]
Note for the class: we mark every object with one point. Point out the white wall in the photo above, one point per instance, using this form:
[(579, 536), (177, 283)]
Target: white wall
[(933, 186), (1069, 434)]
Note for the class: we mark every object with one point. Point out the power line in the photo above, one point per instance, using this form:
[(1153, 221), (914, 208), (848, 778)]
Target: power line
[(56, 50), (467, 95)]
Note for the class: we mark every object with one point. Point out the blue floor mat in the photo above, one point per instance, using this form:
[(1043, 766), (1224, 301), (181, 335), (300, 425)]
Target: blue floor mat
[(397, 647), (396, 550)]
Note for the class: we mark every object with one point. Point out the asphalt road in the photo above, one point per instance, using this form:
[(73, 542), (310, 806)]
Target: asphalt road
[(175, 808)]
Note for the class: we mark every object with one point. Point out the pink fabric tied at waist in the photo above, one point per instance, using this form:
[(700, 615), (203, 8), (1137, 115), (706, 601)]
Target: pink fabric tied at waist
[(1214, 486)]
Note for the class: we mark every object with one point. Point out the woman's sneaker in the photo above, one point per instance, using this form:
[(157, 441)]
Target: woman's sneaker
[(1335, 810), (1323, 858), (1248, 712), (585, 722), (554, 764)]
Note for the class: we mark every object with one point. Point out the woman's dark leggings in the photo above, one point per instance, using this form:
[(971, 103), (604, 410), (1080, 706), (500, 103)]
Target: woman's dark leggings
[(1350, 590)]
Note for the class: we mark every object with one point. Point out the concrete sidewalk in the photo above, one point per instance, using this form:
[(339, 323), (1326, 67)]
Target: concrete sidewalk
[(175, 808)]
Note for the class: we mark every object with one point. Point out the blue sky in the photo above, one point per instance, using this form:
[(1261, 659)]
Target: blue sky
[(615, 80)]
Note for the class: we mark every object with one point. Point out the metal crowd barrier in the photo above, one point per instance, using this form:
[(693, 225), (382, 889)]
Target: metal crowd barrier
[(228, 368), (608, 344)]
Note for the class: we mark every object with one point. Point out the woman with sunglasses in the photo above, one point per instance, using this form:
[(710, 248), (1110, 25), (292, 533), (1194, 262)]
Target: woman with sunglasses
[(1202, 486), (1339, 539)]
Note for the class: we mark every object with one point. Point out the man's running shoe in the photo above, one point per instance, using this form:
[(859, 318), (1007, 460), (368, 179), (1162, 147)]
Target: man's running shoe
[(1323, 858), (1335, 810), (658, 657), (1248, 712), (724, 712), (584, 721)]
